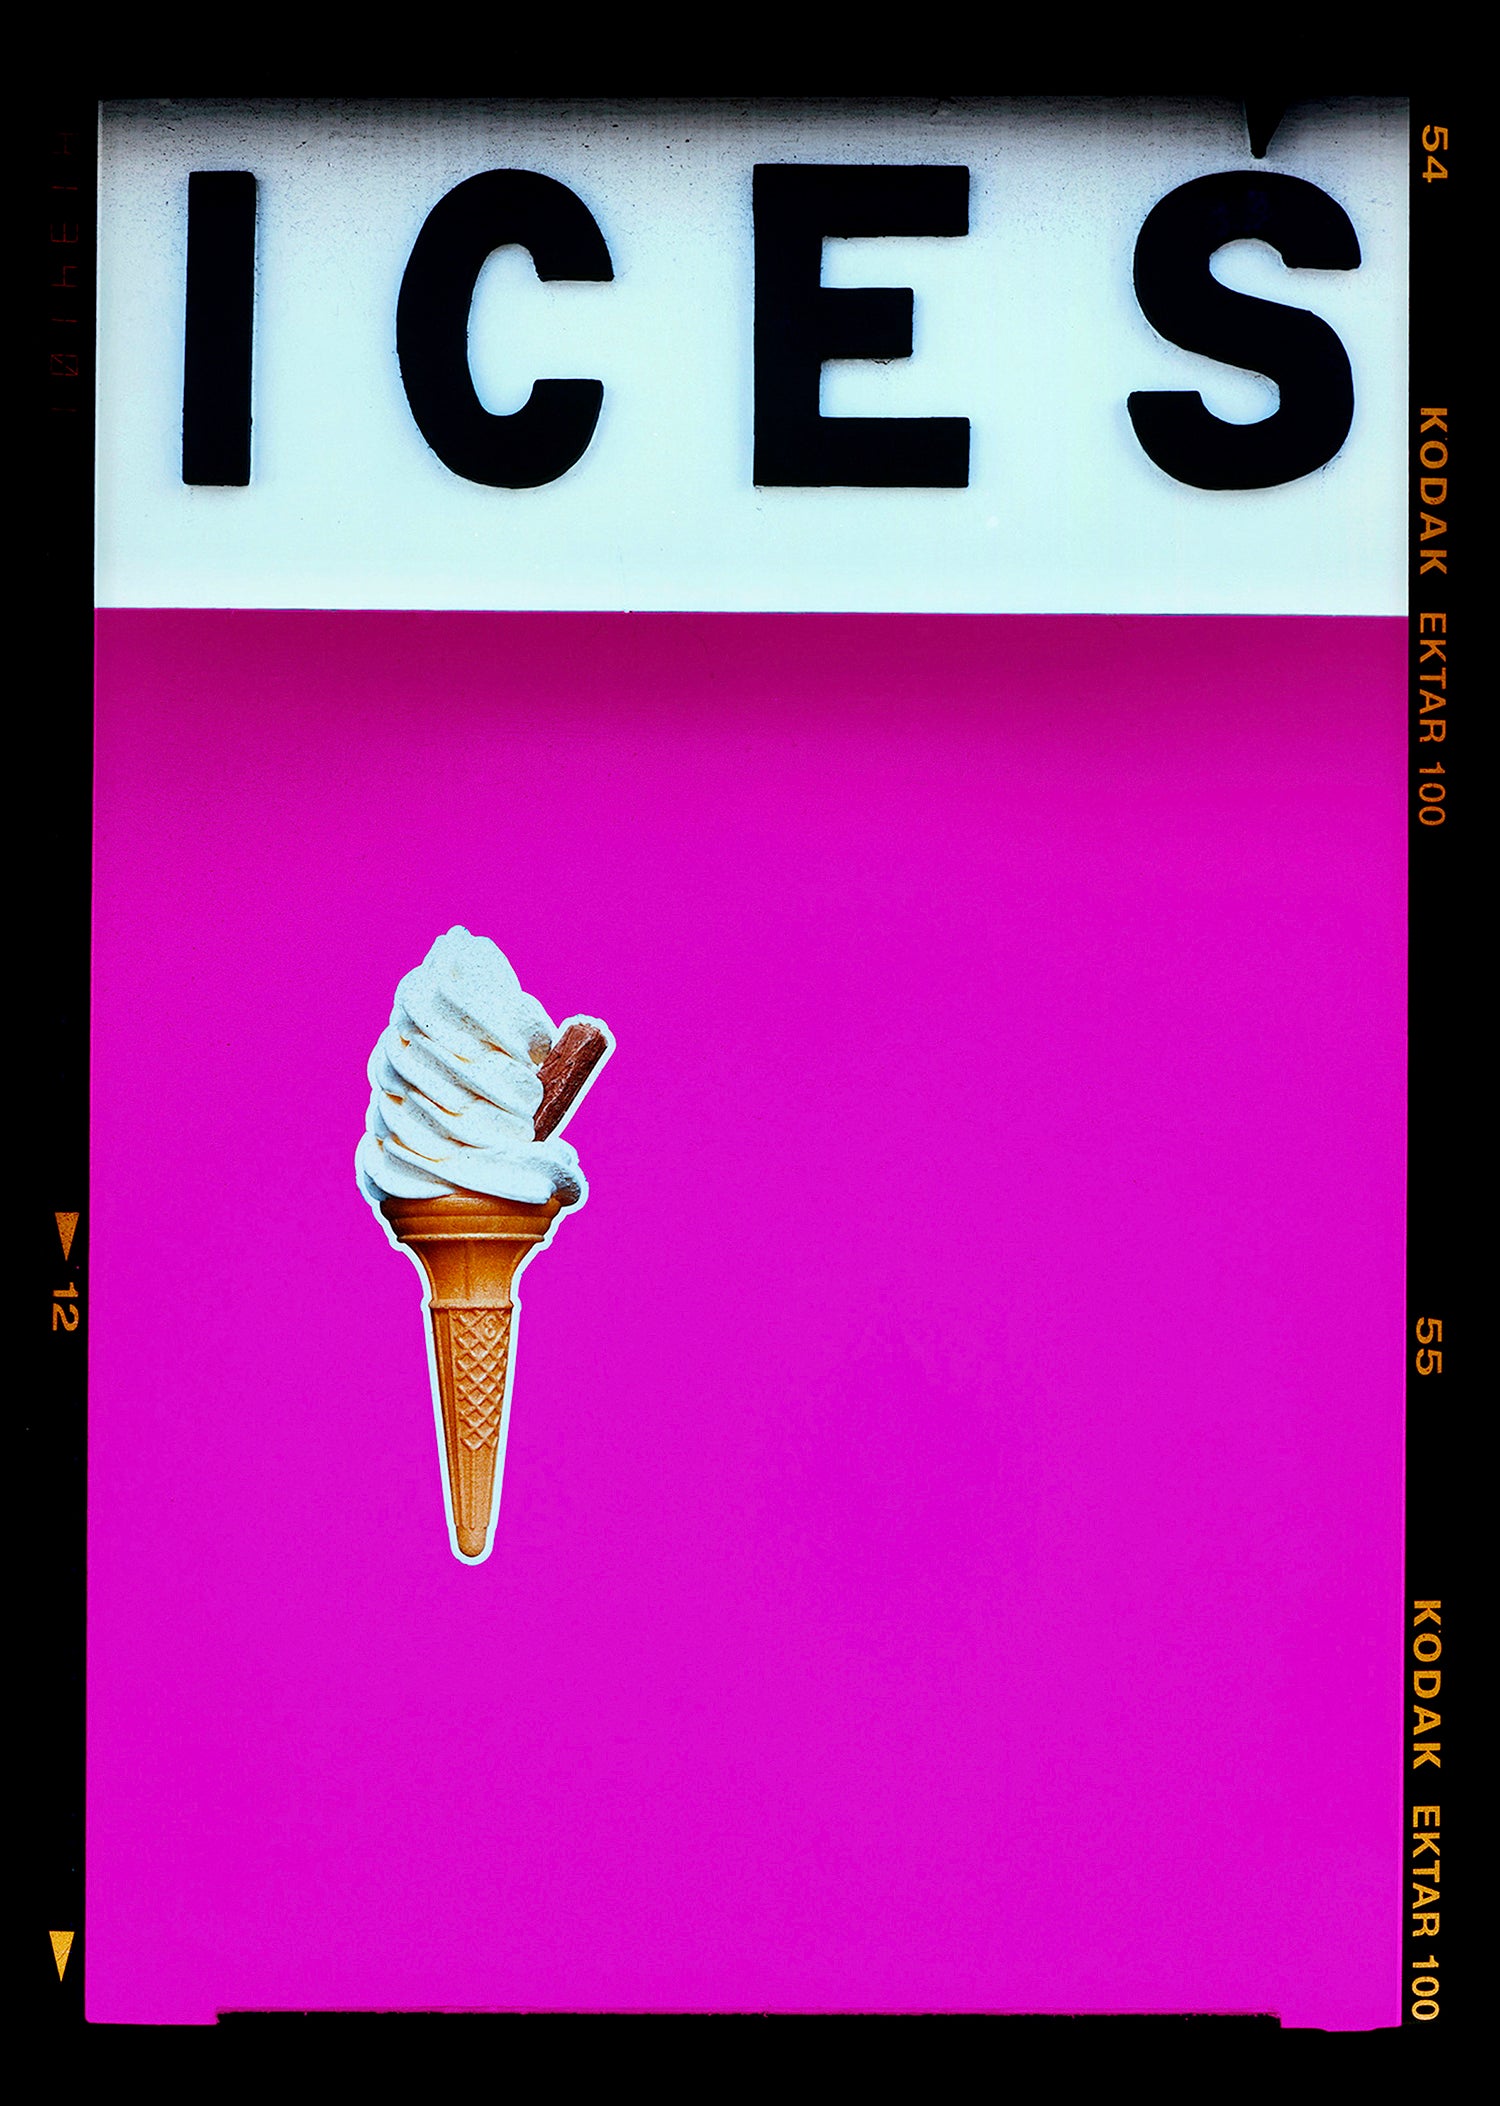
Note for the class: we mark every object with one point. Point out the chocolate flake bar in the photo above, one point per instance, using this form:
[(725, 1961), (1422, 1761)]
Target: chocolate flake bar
[(580, 1047)]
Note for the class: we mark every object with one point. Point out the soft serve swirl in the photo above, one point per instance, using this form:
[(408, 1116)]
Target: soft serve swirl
[(454, 1087)]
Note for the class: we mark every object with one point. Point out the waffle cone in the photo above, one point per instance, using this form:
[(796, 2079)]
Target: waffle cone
[(471, 1247)]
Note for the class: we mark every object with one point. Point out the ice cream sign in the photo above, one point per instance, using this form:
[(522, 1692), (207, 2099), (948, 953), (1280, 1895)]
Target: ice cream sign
[(800, 326), (634, 355)]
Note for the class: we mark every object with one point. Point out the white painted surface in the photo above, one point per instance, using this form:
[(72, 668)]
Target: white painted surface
[(1028, 326)]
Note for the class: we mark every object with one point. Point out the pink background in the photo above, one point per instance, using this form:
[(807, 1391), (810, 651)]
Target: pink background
[(950, 1549)]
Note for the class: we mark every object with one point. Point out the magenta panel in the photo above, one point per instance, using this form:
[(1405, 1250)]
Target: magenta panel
[(950, 1551)]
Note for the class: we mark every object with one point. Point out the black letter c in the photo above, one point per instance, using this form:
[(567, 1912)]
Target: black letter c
[(542, 440)]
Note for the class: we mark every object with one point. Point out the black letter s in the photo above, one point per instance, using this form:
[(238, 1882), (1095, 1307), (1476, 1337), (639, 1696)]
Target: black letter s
[(1182, 299)]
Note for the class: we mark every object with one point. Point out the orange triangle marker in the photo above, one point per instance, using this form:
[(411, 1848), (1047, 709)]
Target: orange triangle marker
[(62, 1941), (67, 1225)]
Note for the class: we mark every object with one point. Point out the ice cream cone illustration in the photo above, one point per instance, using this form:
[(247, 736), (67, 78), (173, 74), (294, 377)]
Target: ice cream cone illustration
[(462, 1156)]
